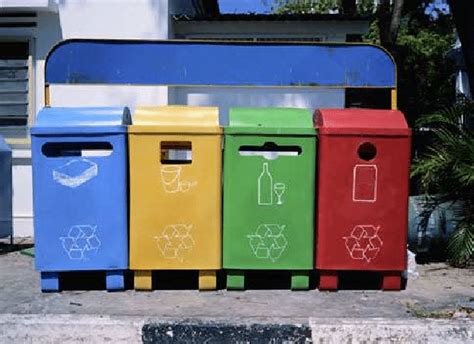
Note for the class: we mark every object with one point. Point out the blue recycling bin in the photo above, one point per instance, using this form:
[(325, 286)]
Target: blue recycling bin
[(80, 168), (5, 190)]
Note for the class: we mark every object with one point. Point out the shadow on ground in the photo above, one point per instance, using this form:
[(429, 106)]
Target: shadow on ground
[(6, 248), (188, 280)]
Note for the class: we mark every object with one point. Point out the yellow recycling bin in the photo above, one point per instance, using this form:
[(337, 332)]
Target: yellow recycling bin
[(175, 192)]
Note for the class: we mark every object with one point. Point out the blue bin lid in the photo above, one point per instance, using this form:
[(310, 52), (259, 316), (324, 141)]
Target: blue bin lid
[(81, 120), (3, 145)]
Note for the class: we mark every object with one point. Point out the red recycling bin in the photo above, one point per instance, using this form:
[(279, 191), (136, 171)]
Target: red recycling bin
[(363, 182)]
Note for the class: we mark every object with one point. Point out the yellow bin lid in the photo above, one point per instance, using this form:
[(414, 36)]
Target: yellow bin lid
[(175, 119)]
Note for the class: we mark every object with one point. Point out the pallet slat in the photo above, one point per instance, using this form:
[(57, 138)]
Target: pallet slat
[(51, 282)]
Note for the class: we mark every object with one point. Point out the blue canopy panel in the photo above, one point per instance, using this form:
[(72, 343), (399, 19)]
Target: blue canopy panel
[(194, 63)]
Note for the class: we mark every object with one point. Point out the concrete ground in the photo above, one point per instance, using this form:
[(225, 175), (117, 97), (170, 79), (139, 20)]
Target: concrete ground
[(437, 306)]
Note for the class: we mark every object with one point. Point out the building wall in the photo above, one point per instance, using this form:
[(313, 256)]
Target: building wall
[(130, 19), (41, 38), (108, 19), (326, 31), (144, 19)]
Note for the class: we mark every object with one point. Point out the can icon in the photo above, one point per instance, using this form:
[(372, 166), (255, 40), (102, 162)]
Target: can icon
[(364, 186)]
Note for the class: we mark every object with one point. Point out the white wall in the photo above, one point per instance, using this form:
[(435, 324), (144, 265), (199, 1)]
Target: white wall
[(225, 98), (112, 19), (36, 5), (108, 19), (41, 38), (22, 193), (48, 33), (121, 19)]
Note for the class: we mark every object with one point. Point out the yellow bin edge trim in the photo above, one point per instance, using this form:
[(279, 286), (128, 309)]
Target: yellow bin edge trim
[(176, 119)]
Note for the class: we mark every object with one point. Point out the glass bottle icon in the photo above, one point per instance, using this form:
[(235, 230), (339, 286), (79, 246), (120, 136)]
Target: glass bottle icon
[(265, 186)]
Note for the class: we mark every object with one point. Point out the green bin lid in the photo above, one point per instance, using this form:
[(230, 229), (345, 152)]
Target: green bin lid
[(270, 121)]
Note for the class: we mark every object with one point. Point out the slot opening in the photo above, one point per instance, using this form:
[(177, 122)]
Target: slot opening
[(270, 150), (176, 152), (85, 149)]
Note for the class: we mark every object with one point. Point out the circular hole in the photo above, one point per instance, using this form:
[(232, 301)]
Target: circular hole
[(367, 151)]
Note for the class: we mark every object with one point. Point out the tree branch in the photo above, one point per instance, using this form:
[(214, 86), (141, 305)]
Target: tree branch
[(395, 21), (463, 12)]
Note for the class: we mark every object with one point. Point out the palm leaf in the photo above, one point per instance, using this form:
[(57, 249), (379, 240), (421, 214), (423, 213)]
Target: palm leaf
[(446, 171), (461, 244)]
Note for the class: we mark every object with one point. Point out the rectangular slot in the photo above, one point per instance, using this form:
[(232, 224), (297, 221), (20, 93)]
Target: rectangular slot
[(176, 152), (270, 150), (86, 149)]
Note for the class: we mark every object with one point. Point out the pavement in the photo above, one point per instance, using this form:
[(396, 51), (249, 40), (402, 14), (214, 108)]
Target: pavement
[(438, 306)]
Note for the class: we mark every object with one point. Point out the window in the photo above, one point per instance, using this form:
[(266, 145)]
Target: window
[(259, 39), (14, 83), (354, 37)]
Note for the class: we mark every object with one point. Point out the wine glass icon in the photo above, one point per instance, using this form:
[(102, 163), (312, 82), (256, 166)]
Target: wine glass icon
[(279, 189)]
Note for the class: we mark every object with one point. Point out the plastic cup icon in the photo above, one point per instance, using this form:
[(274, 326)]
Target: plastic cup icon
[(170, 176), (186, 186)]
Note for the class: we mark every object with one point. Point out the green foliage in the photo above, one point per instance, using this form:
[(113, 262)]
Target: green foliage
[(373, 35), (447, 171), (364, 7), (426, 76), (307, 6)]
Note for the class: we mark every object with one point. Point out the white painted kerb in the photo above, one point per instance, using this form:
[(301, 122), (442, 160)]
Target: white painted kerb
[(39, 328), (378, 330)]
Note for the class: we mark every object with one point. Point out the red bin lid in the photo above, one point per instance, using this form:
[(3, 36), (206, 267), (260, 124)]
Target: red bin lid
[(361, 122)]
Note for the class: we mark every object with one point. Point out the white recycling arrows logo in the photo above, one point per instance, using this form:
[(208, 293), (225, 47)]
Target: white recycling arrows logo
[(268, 242), (175, 241), (364, 242), (81, 242)]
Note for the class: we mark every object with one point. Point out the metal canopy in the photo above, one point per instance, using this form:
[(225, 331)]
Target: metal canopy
[(214, 63)]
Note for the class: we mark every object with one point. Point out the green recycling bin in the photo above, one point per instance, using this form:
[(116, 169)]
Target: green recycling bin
[(269, 187)]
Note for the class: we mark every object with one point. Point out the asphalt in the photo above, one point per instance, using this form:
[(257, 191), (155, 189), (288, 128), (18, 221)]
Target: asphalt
[(441, 297)]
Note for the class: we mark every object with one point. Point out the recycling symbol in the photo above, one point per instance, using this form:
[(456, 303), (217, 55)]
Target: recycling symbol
[(268, 242), (175, 241), (364, 242), (81, 242)]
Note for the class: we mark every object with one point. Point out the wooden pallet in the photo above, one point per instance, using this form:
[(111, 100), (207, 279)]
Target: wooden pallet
[(143, 279), (390, 280), (50, 280), (299, 280)]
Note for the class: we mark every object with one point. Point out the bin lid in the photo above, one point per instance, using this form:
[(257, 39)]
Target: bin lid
[(81, 120), (176, 119), (361, 122), (3, 145), (274, 121)]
